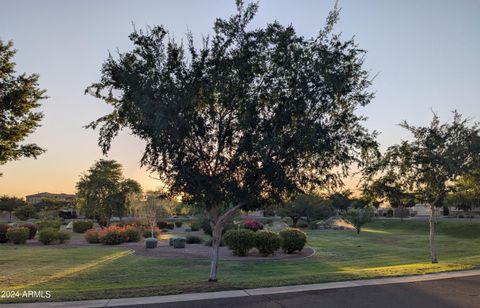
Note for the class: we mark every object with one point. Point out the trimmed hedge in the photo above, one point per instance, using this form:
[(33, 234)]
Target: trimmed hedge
[(194, 239), (18, 235), (80, 226), (240, 241), (293, 240), (267, 242)]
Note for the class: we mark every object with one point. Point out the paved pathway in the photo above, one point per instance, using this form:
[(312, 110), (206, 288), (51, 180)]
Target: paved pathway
[(453, 289)]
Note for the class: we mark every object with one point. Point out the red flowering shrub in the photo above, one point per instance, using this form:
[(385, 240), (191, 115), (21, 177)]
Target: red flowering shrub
[(32, 229), (93, 235), (252, 225), (113, 235)]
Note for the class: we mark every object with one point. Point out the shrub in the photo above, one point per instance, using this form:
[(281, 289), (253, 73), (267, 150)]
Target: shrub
[(62, 236), (162, 224), (178, 224), (132, 234), (80, 226), (252, 225), (209, 243), (92, 236), (194, 239), (195, 226), (3, 233), (49, 224), (293, 240), (240, 241), (47, 235), (267, 242), (170, 225), (26, 212), (147, 232), (113, 235), (302, 224), (18, 235), (32, 229)]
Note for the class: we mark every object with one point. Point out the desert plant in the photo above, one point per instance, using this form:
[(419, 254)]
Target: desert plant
[(293, 240), (18, 235), (47, 235), (193, 239), (32, 229), (240, 241), (80, 226), (267, 242), (252, 225)]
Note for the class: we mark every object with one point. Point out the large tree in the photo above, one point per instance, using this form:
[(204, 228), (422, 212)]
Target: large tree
[(10, 204), (247, 119), (103, 191), (19, 97), (431, 162), (466, 193), (310, 207)]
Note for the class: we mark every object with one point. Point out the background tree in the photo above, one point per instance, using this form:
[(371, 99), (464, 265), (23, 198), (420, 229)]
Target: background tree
[(432, 161), (466, 192), (310, 207), (392, 189), (9, 204), (341, 200), (103, 192), (248, 119), (19, 96), (26, 212), (358, 217)]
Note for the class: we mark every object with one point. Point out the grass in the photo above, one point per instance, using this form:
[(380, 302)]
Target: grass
[(384, 248)]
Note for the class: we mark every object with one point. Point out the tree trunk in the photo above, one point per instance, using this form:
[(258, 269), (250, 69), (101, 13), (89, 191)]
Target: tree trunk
[(433, 251), (217, 228)]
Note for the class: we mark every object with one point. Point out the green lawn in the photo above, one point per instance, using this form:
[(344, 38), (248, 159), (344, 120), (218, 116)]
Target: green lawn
[(384, 248)]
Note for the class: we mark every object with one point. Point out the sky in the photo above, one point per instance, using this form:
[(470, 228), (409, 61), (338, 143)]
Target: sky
[(426, 55)]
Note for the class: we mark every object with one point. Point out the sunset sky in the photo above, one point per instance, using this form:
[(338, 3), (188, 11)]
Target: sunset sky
[(426, 54)]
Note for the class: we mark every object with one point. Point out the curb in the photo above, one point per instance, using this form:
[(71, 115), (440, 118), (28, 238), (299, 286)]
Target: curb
[(247, 292)]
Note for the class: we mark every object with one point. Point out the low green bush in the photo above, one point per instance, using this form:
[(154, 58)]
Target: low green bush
[(267, 242), (18, 235), (147, 232), (47, 235), (49, 224), (240, 241), (62, 236), (170, 225), (80, 226), (178, 224), (193, 239), (162, 224), (293, 240)]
